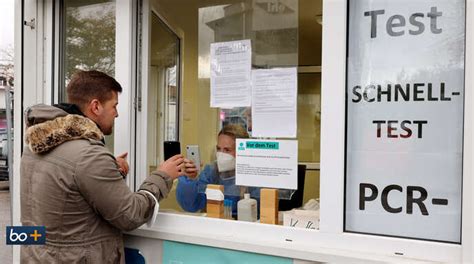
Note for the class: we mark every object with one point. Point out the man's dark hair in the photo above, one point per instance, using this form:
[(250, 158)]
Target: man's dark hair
[(88, 85)]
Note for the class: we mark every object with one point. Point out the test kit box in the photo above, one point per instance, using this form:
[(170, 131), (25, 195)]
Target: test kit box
[(215, 208), (269, 206)]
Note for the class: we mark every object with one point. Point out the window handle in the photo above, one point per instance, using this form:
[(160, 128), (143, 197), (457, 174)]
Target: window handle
[(31, 24)]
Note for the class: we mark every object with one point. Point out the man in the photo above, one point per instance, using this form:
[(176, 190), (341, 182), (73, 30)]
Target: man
[(74, 186)]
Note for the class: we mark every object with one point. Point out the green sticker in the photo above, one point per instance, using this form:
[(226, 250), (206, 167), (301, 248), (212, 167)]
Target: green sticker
[(262, 145)]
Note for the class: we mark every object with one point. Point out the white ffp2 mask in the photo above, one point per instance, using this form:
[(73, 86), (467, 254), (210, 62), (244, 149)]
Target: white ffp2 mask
[(225, 162)]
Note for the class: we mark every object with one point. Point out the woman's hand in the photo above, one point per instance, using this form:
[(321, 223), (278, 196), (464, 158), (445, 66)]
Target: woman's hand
[(173, 166), (190, 169)]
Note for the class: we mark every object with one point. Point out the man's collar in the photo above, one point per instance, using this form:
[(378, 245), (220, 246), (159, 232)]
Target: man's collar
[(74, 110), (70, 108)]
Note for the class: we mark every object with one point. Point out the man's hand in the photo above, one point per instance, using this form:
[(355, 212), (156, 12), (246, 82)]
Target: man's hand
[(122, 163), (172, 166), (190, 169)]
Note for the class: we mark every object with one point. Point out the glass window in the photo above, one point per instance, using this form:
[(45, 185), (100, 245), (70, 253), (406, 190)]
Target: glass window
[(88, 41), (282, 34), (309, 130), (163, 91)]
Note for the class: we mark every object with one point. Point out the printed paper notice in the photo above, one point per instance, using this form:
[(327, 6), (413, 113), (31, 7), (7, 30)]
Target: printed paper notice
[(274, 102), (267, 163), (231, 64)]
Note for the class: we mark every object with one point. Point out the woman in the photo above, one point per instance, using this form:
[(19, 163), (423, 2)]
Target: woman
[(191, 192)]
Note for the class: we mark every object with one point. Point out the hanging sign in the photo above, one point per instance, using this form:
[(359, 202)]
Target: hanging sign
[(267, 163), (405, 94)]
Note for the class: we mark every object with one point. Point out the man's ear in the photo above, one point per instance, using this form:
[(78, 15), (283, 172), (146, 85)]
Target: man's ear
[(95, 107)]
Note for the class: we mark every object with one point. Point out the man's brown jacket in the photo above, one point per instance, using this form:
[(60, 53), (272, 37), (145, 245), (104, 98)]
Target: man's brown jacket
[(71, 184)]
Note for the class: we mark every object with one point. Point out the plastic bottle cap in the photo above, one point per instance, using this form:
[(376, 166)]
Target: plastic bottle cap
[(246, 195)]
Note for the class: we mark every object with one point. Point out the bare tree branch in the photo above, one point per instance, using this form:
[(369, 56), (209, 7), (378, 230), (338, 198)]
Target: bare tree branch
[(7, 64)]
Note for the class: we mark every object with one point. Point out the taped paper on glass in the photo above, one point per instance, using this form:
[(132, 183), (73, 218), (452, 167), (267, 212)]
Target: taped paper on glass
[(231, 64), (267, 163), (274, 102)]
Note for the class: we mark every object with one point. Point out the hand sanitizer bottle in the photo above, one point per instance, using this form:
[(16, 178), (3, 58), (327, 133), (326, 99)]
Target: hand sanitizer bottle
[(247, 209)]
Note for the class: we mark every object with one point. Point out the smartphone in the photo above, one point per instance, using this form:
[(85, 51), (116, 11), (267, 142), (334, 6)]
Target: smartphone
[(171, 148), (192, 153)]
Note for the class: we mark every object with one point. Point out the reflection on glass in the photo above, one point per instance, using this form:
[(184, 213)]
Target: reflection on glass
[(309, 117), (88, 41), (272, 28), (171, 95), (163, 91), (89, 36), (237, 115)]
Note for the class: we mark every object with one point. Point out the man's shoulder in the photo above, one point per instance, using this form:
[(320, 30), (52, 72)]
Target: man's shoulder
[(83, 143), (69, 154), (77, 149)]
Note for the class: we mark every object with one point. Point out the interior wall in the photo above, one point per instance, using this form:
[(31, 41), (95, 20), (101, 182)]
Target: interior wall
[(309, 33), (309, 85)]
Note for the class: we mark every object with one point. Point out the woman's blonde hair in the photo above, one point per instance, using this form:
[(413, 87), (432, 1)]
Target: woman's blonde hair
[(234, 131)]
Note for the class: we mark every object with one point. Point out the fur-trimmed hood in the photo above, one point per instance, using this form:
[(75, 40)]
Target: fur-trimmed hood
[(49, 127)]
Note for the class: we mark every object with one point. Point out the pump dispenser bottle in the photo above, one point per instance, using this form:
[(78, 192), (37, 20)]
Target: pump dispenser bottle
[(247, 209)]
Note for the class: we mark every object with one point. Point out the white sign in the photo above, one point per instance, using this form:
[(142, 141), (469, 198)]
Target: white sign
[(405, 87), (231, 64), (274, 102), (267, 163)]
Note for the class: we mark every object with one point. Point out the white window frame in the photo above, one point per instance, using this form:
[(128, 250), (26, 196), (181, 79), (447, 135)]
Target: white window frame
[(125, 74), (142, 116), (331, 243), (29, 83), (333, 147)]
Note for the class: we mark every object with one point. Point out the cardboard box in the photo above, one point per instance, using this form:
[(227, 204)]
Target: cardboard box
[(269, 206), (215, 208)]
